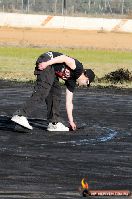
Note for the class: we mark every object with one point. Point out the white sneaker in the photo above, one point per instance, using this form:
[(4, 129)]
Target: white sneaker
[(22, 121), (57, 127)]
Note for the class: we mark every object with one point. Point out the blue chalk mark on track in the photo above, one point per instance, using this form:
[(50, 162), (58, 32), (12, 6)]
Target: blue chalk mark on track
[(107, 135)]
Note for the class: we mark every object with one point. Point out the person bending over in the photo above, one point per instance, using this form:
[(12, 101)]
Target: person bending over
[(51, 66)]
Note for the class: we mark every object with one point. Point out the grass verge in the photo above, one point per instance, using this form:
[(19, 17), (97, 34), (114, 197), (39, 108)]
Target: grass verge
[(18, 63)]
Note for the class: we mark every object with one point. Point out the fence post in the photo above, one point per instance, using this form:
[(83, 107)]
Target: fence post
[(28, 7), (55, 6), (122, 7), (63, 7), (22, 6)]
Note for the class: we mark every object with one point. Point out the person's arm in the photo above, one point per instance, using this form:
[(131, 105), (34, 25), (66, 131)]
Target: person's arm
[(69, 108), (60, 59)]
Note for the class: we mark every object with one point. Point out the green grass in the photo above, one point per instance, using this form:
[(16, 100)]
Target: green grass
[(18, 63)]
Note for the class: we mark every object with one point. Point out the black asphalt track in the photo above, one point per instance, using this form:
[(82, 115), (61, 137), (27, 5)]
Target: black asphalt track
[(40, 164)]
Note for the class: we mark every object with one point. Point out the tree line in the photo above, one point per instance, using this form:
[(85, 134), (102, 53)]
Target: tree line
[(68, 7)]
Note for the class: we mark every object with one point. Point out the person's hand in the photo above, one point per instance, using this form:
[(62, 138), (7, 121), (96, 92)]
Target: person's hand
[(73, 126), (42, 65)]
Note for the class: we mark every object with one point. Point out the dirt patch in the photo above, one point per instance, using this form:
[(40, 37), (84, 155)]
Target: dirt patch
[(65, 38), (39, 164)]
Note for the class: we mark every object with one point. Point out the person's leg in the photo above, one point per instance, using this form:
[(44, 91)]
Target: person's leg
[(53, 102), (41, 90), (49, 103), (53, 108)]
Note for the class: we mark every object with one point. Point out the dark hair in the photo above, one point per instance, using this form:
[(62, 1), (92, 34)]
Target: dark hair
[(42, 58), (90, 74)]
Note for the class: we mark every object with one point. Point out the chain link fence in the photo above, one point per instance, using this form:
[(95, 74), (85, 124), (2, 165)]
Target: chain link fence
[(97, 8)]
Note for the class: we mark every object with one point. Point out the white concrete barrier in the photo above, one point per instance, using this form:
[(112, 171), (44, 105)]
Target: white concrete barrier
[(81, 23), (21, 20), (127, 27)]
